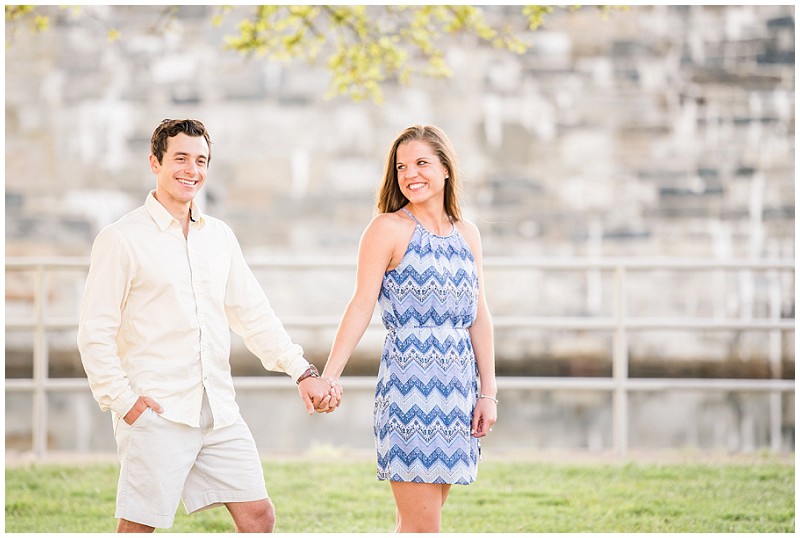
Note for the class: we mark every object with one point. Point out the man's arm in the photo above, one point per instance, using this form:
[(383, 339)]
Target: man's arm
[(107, 286), (250, 316)]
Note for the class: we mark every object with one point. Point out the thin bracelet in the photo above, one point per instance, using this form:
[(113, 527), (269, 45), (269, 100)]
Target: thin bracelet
[(332, 381), (489, 398)]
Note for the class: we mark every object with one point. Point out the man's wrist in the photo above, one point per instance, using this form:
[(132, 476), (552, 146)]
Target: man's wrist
[(311, 371)]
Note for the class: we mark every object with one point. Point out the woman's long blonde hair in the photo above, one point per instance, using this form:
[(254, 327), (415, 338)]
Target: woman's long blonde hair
[(390, 198)]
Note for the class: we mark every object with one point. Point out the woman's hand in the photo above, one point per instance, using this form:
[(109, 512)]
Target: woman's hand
[(484, 417), (317, 395), (333, 399)]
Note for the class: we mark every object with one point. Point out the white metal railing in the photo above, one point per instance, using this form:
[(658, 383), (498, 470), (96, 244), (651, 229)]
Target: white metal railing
[(619, 324)]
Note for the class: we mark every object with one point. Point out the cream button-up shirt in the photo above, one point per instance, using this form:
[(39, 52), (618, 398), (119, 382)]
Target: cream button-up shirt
[(157, 311)]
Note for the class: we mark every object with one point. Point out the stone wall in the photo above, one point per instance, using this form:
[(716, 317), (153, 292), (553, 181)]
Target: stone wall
[(661, 131)]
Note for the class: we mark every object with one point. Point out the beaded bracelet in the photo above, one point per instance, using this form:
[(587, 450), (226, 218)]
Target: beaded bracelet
[(489, 398)]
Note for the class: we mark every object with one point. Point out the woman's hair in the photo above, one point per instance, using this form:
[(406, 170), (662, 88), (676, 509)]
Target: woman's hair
[(390, 198), (169, 128)]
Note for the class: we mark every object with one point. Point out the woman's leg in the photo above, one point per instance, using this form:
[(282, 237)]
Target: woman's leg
[(419, 506)]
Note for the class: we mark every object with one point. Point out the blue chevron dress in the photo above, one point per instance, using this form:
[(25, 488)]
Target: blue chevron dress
[(427, 380)]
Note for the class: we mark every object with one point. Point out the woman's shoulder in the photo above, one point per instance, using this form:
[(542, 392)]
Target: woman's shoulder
[(396, 222), (468, 229)]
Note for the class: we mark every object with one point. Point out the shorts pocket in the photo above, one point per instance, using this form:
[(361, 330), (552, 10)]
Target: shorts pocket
[(144, 418)]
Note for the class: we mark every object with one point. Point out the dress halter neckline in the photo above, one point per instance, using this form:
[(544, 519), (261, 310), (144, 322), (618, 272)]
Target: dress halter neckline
[(415, 219)]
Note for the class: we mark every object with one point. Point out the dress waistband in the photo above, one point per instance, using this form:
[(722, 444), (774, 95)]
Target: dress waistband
[(425, 328)]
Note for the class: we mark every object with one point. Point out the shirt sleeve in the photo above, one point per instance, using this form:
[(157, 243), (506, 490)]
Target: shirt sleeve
[(251, 317), (107, 286)]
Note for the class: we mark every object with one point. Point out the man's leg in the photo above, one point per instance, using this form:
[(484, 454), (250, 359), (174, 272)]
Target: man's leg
[(228, 471), (155, 457), (129, 526), (252, 516)]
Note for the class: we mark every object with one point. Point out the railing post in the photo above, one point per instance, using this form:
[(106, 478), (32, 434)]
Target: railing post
[(775, 367), (40, 361), (619, 370)]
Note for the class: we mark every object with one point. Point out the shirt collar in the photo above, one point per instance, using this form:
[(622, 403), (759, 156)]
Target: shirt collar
[(195, 214), (163, 217)]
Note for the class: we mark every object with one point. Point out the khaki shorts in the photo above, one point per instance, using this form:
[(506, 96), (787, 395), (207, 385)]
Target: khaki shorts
[(162, 462)]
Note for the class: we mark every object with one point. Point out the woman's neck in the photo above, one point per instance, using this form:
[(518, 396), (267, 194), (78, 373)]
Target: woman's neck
[(434, 218)]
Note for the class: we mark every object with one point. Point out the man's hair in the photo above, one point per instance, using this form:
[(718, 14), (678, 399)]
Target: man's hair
[(169, 128)]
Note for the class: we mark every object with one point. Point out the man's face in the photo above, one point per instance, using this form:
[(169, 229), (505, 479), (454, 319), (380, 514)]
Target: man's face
[(182, 170)]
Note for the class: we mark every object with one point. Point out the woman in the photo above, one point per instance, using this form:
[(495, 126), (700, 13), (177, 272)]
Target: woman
[(422, 262)]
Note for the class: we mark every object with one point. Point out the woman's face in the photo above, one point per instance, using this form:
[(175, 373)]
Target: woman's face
[(420, 174)]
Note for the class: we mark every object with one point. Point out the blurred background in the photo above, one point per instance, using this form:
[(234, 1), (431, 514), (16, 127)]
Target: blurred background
[(631, 172)]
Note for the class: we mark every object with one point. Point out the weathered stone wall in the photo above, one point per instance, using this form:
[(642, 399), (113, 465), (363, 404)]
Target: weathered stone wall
[(662, 131)]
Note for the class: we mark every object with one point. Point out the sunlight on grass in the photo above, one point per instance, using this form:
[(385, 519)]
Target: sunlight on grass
[(326, 495)]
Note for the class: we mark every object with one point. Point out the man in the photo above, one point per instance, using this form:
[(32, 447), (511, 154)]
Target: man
[(165, 284)]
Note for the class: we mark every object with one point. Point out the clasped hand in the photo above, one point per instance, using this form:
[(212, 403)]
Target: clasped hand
[(322, 395)]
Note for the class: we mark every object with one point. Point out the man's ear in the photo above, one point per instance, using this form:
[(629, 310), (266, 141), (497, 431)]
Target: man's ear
[(154, 164)]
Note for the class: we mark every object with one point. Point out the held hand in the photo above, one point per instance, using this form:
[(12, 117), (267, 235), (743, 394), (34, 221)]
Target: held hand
[(333, 399), (317, 395), (140, 407), (484, 417)]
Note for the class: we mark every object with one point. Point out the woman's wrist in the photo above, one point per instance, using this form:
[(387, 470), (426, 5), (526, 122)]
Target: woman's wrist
[(489, 389), (333, 381), (487, 397)]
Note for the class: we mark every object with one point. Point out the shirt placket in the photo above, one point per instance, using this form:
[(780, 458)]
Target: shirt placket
[(198, 269)]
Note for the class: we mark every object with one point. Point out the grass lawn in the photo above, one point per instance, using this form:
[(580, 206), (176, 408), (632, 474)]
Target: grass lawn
[(510, 496)]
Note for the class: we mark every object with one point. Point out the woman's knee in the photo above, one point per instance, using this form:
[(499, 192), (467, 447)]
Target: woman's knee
[(419, 506)]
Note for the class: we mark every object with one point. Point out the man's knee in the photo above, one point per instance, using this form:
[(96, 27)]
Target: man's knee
[(256, 516), (268, 516), (123, 525)]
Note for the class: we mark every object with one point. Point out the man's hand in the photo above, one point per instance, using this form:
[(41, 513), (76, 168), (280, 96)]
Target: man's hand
[(332, 400), (320, 395), (139, 407)]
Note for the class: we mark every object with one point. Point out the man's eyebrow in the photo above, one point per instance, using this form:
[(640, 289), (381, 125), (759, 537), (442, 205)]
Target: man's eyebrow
[(186, 154)]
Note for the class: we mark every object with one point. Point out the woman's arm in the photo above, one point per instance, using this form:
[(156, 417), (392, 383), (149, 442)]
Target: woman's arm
[(482, 335), (377, 251)]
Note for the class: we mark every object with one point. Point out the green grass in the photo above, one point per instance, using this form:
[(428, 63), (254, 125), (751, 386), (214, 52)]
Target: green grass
[(509, 496)]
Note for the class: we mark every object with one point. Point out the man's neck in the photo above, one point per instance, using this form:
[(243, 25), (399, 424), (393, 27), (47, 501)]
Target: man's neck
[(181, 212)]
